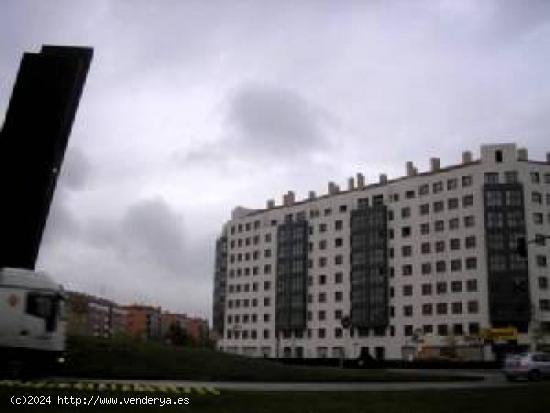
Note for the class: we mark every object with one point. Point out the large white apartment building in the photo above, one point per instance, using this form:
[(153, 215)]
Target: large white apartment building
[(425, 260)]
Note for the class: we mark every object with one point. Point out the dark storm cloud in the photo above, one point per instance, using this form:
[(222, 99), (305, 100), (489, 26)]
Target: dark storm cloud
[(153, 231), (76, 170), (274, 121)]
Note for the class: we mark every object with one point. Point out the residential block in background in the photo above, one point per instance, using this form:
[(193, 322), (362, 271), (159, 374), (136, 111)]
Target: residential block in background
[(422, 264)]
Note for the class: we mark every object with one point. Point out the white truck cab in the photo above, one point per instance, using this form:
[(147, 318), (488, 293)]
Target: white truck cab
[(32, 319)]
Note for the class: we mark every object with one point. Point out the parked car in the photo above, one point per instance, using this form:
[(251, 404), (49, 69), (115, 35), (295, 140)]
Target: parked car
[(532, 366)]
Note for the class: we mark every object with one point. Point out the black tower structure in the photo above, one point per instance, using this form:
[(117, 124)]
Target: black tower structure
[(32, 145)]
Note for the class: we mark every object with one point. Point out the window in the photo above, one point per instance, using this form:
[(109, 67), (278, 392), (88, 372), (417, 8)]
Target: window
[(409, 194), (535, 177), (544, 305), (452, 184), (457, 328), (343, 208), (437, 187), (541, 261), (408, 330), (438, 206), (497, 262), (443, 330), (424, 209), (469, 221), (405, 212), (321, 333), (423, 190), (427, 309), (406, 251), (338, 296), (441, 266), (405, 232), (536, 197), (473, 307), (511, 177), (338, 332), (471, 263), (323, 244), (425, 247), (441, 287), (491, 178), (456, 308), (338, 278), (338, 259), (473, 328), (454, 223), (467, 201), (322, 279), (441, 308), (425, 228), (537, 218), (407, 290), (426, 289), (407, 269), (427, 328), (514, 198), (467, 181), (456, 265), (440, 246), (426, 268), (322, 297), (439, 225), (267, 237), (322, 227), (470, 241), (338, 314), (456, 286), (321, 315), (408, 310), (267, 269), (338, 225), (455, 243), (322, 261), (267, 301), (390, 215), (471, 285), (327, 212), (452, 203), (338, 242), (543, 283)]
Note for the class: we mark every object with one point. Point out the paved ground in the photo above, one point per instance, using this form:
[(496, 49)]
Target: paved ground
[(491, 379)]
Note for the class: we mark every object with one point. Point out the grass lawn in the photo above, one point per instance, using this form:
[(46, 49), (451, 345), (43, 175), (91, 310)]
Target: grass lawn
[(532, 398), (120, 359)]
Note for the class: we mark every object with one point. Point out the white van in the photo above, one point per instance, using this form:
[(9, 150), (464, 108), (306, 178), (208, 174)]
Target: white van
[(32, 321)]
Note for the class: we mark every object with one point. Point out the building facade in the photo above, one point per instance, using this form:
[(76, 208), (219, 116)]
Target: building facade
[(144, 322), (425, 260), (88, 315)]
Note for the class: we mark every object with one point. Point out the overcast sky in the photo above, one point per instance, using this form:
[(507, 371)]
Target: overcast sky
[(194, 107)]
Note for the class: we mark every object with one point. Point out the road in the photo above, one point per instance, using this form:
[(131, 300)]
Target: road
[(491, 379)]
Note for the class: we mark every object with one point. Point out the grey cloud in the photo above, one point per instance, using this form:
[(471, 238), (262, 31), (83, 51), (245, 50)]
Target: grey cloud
[(76, 170), (274, 121), (155, 231), (62, 224)]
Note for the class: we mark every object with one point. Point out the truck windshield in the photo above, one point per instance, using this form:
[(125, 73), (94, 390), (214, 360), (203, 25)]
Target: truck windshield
[(45, 306)]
